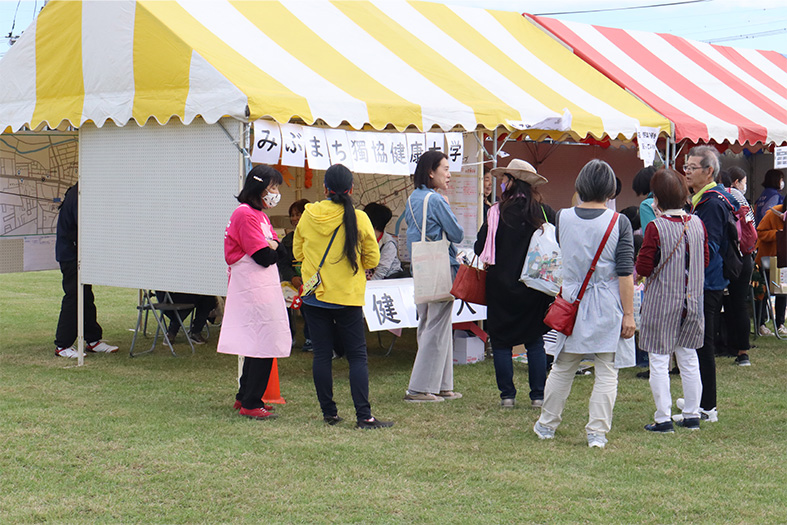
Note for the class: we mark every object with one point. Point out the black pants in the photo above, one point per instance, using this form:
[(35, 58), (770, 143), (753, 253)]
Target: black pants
[(346, 325), (254, 381), (203, 305), (707, 353), (736, 311), (66, 332)]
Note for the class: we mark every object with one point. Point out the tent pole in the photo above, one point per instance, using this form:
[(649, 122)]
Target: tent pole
[(480, 176), (80, 286)]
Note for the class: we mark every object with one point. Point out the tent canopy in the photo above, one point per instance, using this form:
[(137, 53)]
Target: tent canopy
[(358, 63), (709, 92)]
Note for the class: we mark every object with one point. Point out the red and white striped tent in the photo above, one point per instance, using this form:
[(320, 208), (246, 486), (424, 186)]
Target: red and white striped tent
[(709, 92)]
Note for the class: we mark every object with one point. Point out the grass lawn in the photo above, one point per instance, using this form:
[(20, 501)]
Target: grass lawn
[(154, 439)]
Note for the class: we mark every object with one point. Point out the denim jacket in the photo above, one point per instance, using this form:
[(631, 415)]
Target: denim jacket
[(439, 219)]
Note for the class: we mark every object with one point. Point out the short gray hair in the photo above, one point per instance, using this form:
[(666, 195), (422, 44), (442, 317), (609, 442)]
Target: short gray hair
[(596, 182), (709, 156)]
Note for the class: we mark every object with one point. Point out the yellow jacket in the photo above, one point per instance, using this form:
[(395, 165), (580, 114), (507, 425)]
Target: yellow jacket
[(314, 231)]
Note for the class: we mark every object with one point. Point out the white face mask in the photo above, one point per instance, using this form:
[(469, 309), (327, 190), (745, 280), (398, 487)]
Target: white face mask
[(742, 189), (271, 199), (781, 185)]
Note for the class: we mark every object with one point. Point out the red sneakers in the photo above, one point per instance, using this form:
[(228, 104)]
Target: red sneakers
[(238, 406), (257, 413)]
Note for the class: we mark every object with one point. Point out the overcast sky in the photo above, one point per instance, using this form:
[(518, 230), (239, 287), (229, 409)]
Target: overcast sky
[(758, 24)]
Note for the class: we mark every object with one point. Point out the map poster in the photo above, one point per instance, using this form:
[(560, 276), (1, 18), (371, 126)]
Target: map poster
[(36, 169)]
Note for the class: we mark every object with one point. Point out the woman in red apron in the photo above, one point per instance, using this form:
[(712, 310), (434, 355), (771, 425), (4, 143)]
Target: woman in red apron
[(255, 317)]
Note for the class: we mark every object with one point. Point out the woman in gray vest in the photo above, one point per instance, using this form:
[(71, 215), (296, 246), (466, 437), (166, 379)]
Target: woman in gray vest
[(606, 305), (673, 257)]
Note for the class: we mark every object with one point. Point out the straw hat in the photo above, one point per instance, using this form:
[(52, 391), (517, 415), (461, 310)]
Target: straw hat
[(522, 170)]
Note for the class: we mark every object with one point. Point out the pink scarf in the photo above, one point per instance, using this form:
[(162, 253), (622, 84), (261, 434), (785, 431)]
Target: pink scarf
[(492, 218)]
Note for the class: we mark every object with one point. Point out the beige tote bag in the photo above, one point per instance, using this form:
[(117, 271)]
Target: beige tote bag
[(430, 265)]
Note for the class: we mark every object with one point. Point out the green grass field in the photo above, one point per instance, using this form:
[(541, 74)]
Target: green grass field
[(154, 439)]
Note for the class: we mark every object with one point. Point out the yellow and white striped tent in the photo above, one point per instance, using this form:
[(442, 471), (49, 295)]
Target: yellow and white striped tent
[(379, 64)]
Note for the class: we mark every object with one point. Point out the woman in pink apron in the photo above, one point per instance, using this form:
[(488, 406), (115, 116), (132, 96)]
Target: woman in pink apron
[(255, 317)]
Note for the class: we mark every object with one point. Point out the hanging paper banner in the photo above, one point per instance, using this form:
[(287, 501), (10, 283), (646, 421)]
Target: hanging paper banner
[(455, 151), (293, 152), (435, 141), (399, 164), (416, 145), (339, 148), (780, 157), (360, 151), (380, 144), (267, 142), (646, 140), (316, 148)]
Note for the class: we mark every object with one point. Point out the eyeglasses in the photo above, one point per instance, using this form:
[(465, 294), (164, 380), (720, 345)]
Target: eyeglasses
[(689, 169)]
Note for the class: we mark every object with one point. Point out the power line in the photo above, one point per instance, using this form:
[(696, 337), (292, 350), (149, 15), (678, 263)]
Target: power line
[(622, 8), (747, 35)]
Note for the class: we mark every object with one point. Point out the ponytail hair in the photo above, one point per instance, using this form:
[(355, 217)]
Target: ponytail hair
[(339, 183)]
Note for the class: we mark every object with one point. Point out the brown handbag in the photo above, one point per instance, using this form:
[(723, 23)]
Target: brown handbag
[(470, 284), (561, 314)]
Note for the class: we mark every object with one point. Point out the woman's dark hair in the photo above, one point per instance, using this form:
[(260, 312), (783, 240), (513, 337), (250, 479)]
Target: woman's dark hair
[(772, 178), (339, 182), (298, 205), (632, 214), (641, 182), (379, 214), (520, 205), (736, 174), (428, 162), (259, 179), (670, 189)]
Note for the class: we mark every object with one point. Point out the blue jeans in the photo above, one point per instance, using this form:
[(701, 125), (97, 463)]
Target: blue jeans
[(344, 326), (536, 369)]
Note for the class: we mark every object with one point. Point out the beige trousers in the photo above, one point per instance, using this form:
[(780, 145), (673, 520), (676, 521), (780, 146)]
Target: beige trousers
[(433, 369), (602, 399)]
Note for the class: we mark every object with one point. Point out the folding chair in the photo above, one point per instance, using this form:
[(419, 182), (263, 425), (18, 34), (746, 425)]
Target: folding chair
[(147, 306), (769, 310)]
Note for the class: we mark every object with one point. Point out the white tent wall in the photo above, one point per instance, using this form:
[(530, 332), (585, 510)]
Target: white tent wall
[(154, 202)]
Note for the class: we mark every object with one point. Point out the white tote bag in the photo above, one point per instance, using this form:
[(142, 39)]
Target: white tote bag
[(431, 266), (543, 268)]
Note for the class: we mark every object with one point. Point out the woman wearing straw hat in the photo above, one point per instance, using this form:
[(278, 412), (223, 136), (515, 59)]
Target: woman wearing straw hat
[(515, 312)]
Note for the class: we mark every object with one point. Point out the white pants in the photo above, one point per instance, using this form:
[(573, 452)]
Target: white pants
[(689, 367), (602, 399), (433, 370)]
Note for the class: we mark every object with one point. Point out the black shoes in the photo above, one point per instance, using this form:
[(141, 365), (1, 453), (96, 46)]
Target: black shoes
[(691, 423), (332, 420), (662, 428), (373, 423)]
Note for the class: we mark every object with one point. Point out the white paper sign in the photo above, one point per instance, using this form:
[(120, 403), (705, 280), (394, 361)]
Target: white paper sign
[(390, 305), (339, 148), (646, 140), (293, 152), (267, 142), (399, 163), (780, 157), (455, 151), (416, 145), (316, 148), (379, 145), (435, 141), (361, 151)]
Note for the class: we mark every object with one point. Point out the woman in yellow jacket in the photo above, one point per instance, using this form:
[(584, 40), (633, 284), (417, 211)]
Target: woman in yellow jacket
[(332, 231)]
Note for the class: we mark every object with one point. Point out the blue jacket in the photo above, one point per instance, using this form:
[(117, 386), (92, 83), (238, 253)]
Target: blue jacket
[(439, 219), (769, 198), (714, 209), (66, 240)]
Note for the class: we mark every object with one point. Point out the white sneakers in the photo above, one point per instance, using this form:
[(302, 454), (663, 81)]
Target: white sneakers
[(782, 330), (543, 432), (764, 331), (67, 352), (95, 346), (100, 346), (597, 440)]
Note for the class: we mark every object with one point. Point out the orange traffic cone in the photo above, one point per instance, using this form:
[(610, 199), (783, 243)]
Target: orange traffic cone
[(272, 394)]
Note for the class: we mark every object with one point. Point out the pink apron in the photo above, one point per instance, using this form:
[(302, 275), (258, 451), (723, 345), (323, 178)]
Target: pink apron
[(255, 317)]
